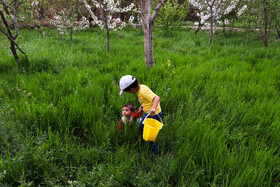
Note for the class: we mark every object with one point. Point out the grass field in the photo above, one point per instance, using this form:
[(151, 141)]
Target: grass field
[(221, 107)]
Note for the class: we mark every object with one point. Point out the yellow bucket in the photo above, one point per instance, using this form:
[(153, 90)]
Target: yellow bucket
[(151, 129)]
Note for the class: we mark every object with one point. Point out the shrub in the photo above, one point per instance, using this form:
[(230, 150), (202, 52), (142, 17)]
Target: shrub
[(170, 17)]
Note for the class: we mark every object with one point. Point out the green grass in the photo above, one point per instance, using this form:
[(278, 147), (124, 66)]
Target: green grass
[(221, 107)]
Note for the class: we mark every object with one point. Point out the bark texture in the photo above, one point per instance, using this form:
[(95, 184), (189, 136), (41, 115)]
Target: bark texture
[(147, 24)]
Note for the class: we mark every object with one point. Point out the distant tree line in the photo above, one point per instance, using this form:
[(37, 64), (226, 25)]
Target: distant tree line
[(68, 16)]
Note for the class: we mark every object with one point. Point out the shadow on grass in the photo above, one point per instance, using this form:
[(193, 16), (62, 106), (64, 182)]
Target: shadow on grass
[(36, 65), (43, 65), (7, 67)]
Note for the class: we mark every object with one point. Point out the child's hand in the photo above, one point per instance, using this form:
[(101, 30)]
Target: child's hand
[(152, 111), (140, 109)]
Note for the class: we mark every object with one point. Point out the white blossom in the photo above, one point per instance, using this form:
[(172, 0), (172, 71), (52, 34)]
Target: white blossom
[(241, 11), (131, 19), (35, 3), (219, 8), (109, 7), (64, 24)]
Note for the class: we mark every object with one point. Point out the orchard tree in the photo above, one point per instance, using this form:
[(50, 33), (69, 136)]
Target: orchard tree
[(229, 19), (148, 20), (10, 9), (264, 18), (66, 22), (276, 16), (66, 17), (35, 16), (211, 12), (41, 8), (263, 15), (105, 19)]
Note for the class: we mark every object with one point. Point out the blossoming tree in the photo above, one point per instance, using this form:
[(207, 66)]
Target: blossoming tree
[(105, 19), (210, 13), (263, 15), (66, 22), (36, 15), (67, 17)]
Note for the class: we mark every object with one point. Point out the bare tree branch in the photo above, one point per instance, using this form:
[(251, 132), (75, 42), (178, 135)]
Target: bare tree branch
[(19, 4), (3, 1), (15, 20), (154, 15), (6, 9), (5, 23), (9, 33), (16, 45)]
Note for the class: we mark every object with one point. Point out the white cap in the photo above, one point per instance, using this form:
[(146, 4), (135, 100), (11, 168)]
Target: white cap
[(125, 82)]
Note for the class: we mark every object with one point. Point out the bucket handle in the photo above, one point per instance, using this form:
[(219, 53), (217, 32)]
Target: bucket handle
[(152, 118)]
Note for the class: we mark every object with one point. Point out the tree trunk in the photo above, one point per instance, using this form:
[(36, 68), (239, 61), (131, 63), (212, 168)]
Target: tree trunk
[(9, 33), (107, 39), (211, 25), (71, 33), (265, 26), (149, 46), (148, 32), (278, 30), (147, 24), (14, 52), (104, 18), (10, 37), (198, 27)]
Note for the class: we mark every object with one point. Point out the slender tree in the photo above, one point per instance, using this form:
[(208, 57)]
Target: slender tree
[(12, 10), (263, 15), (276, 15), (148, 20), (210, 13), (66, 17), (66, 22), (105, 20)]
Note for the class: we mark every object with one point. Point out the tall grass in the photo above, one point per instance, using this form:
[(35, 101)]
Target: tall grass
[(220, 104)]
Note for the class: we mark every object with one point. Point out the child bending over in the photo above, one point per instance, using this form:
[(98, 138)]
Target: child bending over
[(147, 98)]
